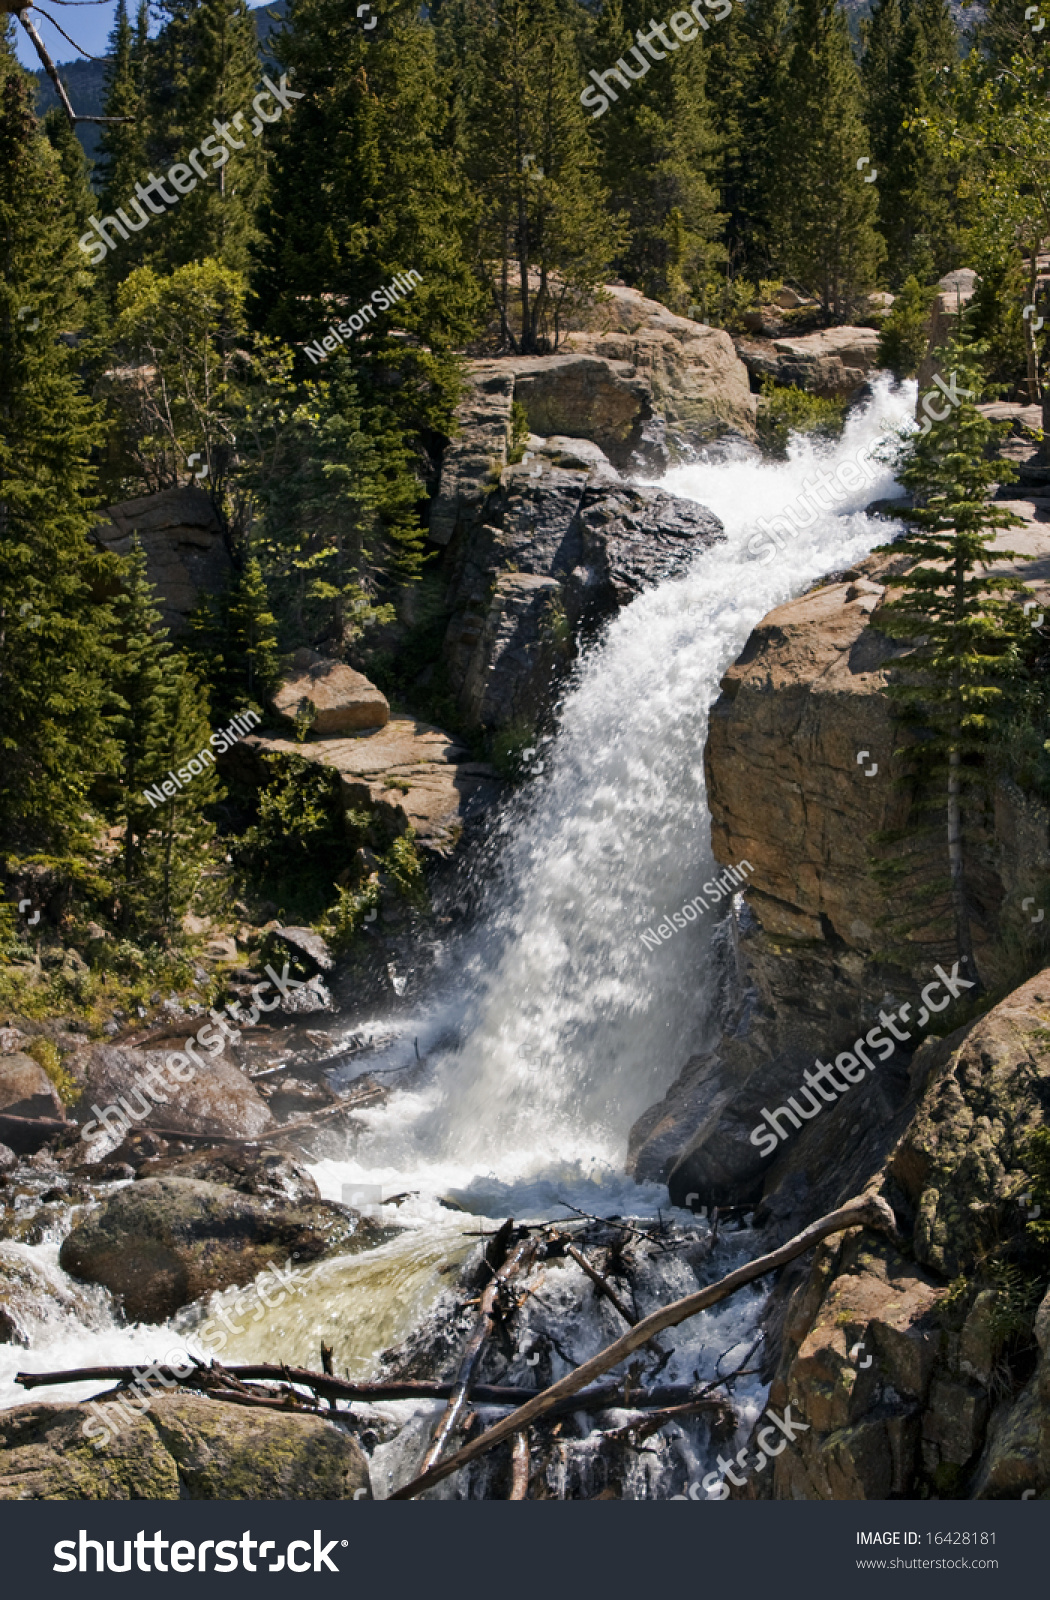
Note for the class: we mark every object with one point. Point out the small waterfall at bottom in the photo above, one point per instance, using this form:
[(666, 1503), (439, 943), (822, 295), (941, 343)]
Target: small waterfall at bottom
[(552, 1025)]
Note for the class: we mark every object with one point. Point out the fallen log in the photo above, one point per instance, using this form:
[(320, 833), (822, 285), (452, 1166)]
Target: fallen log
[(487, 1313), (25, 1135), (602, 1397), (868, 1210)]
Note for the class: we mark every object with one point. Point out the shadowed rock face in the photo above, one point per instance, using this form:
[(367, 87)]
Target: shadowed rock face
[(559, 547), (181, 1448), (164, 1242), (185, 552)]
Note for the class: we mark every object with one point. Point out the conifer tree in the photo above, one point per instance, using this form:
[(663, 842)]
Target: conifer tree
[(658, 150), (123, 153), (205, 68), (963, 632), (747, 76), (364, 186), (909, 55), (176, 837), (138, 675), (79, 198), (253, 636), (828, 239), (158, 717), (52, 734)]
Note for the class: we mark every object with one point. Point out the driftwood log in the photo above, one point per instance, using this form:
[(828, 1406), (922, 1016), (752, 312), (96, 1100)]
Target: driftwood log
[(868, 1210)]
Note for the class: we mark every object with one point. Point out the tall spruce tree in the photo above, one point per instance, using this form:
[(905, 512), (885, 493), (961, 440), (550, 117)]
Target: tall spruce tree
[(52, 734), (158, 718), (964, 635), (910, 50), (205, 68), (544, 238), (123, 153), (364, 186), (747, 78), (828, 239), (658, 153), (176, 837)]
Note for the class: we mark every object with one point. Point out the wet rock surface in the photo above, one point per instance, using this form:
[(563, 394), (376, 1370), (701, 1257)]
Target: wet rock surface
[(217, 1098), (164, 1242)]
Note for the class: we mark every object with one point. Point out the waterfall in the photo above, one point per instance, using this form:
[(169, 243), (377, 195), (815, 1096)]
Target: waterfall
[(551, 1025), (567, 1024)]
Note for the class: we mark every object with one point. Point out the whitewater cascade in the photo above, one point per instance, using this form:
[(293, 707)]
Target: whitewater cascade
[(551, 1025)]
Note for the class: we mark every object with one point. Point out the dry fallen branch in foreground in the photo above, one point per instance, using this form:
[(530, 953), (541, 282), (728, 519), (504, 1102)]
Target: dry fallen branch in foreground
[(868, 1210)]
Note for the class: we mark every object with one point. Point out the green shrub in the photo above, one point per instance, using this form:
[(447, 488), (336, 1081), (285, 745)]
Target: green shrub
[(784, 411), (903, 337), (46, 1055)]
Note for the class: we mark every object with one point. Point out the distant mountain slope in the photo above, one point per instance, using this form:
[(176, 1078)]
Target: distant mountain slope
[(85, 81)]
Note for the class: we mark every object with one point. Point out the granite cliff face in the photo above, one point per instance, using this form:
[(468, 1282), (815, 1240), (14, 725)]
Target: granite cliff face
[(801, 772)]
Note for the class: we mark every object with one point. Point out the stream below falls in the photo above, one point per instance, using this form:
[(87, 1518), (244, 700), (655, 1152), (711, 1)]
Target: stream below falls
[(547, 1027)]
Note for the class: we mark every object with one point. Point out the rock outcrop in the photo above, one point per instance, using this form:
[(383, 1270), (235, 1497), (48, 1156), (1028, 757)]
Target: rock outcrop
[(561, 544), (164, 1242), (330, 696), (804, 976), (833, 363), (186, 555), (408, 773), (181, 1448)]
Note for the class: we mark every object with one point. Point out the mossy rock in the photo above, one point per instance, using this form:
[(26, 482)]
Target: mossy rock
[(162, 1243), (181, 1448)]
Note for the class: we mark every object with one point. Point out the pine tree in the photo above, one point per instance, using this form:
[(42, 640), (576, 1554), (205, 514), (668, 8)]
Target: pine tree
[(747, 75), (52, 736), (138, 710), (123, 153), (80, 199), (205, 68), (828, 239), (544, 238), (364, 186), (964, 634), (176, 839), (253, 637), (658, 148), (911, 49)]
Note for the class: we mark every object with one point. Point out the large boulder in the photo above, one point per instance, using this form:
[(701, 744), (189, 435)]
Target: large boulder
[(649, 388), (162, 1243), (183, 1447), (694, 381), (180, 534), (217, 1099), (338, 699), (560, 547), (26, 1090)]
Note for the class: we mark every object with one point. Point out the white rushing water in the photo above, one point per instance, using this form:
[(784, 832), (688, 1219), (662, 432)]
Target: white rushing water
[(564, 1027)]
